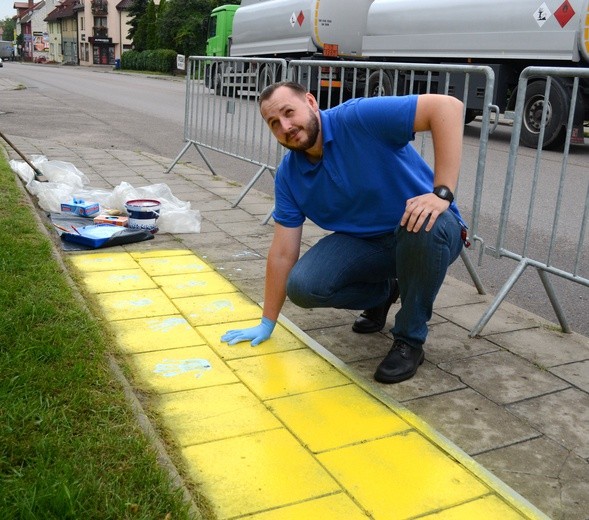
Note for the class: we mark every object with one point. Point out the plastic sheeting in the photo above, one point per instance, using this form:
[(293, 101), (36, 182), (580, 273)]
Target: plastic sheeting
[(66, 182)]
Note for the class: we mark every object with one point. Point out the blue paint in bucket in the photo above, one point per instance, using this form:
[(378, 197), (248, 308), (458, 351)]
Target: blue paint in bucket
[(143, 214)]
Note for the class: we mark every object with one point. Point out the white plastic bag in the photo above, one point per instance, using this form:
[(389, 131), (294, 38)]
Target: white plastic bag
[(66, 182)]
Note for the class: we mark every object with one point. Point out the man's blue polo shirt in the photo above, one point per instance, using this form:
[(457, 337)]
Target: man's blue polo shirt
[(367, 173)]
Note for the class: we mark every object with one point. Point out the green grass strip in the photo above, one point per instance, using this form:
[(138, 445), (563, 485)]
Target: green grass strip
[(70, 447)]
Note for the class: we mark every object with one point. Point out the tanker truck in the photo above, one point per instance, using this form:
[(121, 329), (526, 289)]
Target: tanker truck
[(505, 35)]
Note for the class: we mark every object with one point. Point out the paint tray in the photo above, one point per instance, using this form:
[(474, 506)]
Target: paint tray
[(105, 235)]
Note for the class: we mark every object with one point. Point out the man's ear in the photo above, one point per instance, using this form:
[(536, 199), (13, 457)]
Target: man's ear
[(312, 101)]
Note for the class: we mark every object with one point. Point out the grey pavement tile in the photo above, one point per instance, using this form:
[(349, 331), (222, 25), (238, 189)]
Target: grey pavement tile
[(312, 319), (454, 291), (448, 342), (214, 238), (575, 373), (247, 268), (234, 251), (506, 318), (239, 228), (548, 475), (261, 208), (207, 225), (471, 421), (252, 287), (504, 377), (212, 203), (349, 346), (543, 346), (428, 381), (232, 215), (562, 416)]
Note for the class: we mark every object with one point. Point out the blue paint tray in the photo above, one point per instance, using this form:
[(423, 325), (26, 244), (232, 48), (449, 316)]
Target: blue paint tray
[(104, 235)]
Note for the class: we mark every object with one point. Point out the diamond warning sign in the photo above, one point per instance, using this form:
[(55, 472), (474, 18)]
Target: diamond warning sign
[(564, 13), (301, 18), (294, 19), (542, 14)]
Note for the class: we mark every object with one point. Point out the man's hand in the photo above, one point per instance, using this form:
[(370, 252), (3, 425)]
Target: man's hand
[(418, 209), (257, 334)]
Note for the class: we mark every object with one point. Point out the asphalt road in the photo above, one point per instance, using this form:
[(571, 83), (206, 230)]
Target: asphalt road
[(96, 108)]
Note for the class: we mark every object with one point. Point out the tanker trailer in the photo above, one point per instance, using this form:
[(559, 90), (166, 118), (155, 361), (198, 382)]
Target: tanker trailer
[(289, 29), (506, 35)]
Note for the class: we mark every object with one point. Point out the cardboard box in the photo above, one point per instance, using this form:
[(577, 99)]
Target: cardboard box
[(81, 208), (110, 219)]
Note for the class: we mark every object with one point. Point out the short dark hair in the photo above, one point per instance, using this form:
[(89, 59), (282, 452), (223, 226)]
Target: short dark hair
[(270, 89)]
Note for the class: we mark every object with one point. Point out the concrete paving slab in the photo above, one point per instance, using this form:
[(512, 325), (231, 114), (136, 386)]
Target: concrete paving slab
[(503, 377), (506, 317), (336, 417), (473, 422), (447, 342), (146, 303), (332, 507), (148, 334), (213, 413), (121, 280), (428, 381), (193, 284), (543, 346), (378, 486), (286, 373), (175, 370), (266, 470), (280, 341), (562, 416), (575, 373), (545, 469)]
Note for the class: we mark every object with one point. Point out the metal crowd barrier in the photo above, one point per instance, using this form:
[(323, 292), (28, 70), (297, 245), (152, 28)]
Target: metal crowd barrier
[(549, 198), (221, 112)]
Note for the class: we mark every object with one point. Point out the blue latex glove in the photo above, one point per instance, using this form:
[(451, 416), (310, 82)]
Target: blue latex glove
[(257, 334)]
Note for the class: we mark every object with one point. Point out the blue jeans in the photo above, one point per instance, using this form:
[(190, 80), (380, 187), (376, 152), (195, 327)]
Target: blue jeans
[(347, 272)]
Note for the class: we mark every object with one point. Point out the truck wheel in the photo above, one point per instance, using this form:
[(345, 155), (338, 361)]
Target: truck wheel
[(558, 108), (376, 87)]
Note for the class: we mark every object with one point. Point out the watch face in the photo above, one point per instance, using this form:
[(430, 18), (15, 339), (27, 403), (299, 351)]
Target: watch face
[(444, 193)]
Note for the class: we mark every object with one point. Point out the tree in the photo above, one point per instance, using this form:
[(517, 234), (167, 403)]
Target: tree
[(136, 11), (149, 19), (8, 26)]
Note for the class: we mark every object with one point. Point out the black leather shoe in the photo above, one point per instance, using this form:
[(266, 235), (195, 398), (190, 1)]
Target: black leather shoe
[(400, 363), (374, 319)]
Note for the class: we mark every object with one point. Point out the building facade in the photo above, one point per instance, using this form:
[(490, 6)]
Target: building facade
[(74, 32)]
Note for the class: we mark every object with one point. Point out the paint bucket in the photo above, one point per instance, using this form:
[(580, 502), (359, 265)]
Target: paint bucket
[(143, 214)]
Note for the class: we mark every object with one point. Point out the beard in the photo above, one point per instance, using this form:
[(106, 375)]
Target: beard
[(311, 127)]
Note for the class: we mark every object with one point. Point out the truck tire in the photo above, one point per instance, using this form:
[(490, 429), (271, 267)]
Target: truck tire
[(376, 87), (556, 118)]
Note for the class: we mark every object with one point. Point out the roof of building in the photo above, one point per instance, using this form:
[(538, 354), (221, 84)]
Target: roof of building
[(125, 5), (64, 10)]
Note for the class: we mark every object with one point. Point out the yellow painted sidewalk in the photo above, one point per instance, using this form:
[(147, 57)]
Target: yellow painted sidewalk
[(283, 430)]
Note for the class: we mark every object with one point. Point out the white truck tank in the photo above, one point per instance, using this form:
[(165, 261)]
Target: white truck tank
[(543, 30), (299, 27)]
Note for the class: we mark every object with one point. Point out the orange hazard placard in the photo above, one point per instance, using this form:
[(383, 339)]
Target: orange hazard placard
[(331, 50)]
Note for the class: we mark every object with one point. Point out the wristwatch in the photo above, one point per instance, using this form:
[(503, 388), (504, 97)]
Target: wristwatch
[(444, 193)]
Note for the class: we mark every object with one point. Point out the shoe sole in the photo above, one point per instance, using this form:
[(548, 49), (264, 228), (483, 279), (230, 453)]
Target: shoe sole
[(403, 377)]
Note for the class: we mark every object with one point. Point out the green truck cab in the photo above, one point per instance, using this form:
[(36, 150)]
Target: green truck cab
[(220, 29)]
